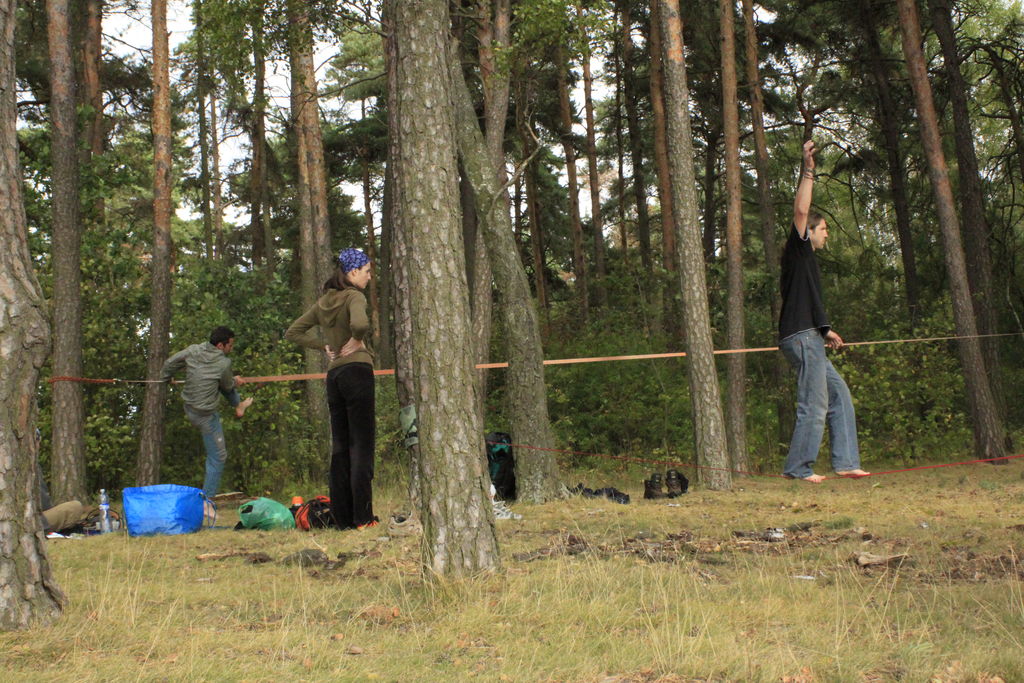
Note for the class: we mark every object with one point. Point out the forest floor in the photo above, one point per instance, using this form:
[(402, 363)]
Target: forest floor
[(908, 577)]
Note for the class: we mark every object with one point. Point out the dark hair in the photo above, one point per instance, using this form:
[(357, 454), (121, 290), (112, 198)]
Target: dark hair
[(221, 335), (337, 281), (814, 219)]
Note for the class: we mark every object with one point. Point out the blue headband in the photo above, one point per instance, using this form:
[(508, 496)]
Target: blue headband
[(352, 259)]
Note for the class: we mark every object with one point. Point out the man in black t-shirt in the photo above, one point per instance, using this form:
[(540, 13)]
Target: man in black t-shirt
[(804, 333)]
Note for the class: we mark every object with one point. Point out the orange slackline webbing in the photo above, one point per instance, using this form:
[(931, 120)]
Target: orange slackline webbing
[(556, 361)]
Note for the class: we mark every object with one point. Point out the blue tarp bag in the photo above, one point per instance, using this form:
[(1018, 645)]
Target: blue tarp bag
[(162, 509)]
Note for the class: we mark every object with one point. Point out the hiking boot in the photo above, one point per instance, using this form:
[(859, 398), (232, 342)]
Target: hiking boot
[(369, 525), (653, 487), (676, 483)]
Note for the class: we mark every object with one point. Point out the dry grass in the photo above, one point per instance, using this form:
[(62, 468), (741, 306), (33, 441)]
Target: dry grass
[(600, 592)]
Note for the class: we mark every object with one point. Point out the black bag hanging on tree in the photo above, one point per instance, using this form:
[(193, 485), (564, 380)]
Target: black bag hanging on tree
[(501, 464)]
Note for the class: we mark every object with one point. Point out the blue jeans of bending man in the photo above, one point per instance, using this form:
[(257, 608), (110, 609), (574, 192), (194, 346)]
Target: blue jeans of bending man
[(210, 427), (821, 396)]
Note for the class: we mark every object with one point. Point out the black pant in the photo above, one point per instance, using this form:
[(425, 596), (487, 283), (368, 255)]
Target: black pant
[(350, 399)]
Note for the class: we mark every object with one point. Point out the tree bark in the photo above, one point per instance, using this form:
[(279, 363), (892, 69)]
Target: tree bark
[(315, 242), (736, 363), (397, 256), (594, 181), (636, 156), (976, 232), (152, 431), (766, 211), (527, 407), (259, 232), (68, 460), (708, 425), (708, 234), (579, 263), (458, 523), (92, 96), (988, 427), (202, 91), (668, 226), (29, 594), (888, 118), (216, 189), (533, 212)]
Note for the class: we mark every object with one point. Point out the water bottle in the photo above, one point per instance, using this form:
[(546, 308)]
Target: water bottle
[(104, 512)]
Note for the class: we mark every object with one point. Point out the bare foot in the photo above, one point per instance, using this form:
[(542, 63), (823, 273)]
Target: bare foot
[(812, 478), (852, 474), (242, 407)]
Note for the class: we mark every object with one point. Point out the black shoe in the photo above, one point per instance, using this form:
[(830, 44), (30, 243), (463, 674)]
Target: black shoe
[(676, 483), (652, 487)]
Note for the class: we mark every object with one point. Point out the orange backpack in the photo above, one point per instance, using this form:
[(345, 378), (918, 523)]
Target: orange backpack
[(315, 513)]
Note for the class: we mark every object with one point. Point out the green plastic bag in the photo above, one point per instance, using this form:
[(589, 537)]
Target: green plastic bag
[(265, 514)]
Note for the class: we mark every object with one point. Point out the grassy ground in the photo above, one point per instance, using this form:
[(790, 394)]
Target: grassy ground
[(590, 591)]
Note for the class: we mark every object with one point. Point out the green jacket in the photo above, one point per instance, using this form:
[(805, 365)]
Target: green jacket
[(340, 315), (207, 374)]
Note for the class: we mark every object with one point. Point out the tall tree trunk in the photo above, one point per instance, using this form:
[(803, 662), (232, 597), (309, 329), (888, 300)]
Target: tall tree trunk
[(710, 179), (215, 185), (668, 226), (708, 425), (766, 212), (315, 234), (68, 460), (536, 233), (458, 524), (152, 431), (594, 181), (975, 226), (620, 149), (527, 407), (888, 119), (202, 91), (92, 94), (481, 287), (736, 363), (261, 244), (579, 263), (371, 246), (988, 427), (396, 257), (636, 156), (30, 595)]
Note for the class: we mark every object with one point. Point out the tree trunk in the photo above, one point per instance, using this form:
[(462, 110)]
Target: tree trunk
[(536, 234), (736, 363), (259, 233), (202, 91), (888, 118), (988, 427), (632, 102), (458, 523), (312, 190), (29, 596), (710, 205), (766, 211), (527, 408), (152, 432), (594, 181), (92, 95), (371, 247), (668, 226), (218, 200), (397, 256), (68, 461), (620, 149), (708, 425), (579, 264), (975, 227)]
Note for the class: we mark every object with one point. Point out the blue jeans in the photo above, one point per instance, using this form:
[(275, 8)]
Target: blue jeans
[(209, 426), (821, 395)]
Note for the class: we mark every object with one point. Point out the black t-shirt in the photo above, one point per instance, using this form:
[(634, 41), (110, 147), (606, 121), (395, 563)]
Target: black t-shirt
[(802, 305)]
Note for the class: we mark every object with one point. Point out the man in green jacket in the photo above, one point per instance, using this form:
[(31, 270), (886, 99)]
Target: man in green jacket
[(207, 375)]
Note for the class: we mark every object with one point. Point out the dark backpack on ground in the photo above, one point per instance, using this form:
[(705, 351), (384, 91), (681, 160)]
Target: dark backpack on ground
[(501, 465), (315, 513)]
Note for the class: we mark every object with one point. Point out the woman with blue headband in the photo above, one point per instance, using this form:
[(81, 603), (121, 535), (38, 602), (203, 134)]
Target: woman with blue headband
[(344, 334)]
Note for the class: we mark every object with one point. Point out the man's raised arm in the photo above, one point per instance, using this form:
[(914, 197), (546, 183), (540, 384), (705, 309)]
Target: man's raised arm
[(802, 201)]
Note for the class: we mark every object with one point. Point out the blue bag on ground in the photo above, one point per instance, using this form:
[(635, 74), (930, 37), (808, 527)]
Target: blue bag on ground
[(162, 509)]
